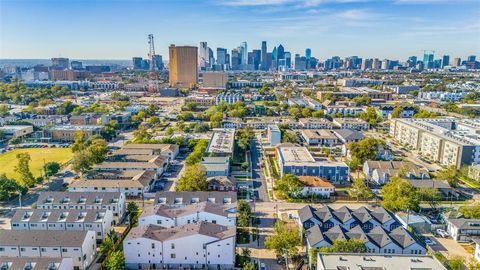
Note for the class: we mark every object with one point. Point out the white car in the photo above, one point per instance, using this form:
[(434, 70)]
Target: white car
[(442, 233), (262, 266)]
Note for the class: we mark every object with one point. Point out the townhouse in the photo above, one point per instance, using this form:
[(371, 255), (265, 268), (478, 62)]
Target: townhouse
[(317, 186), (222, 183), (78, 245), (195, 245), (180, 199), (169, 151), (7, 263), (297, 160), (348, 135), (222, 142), (100, 221), (321, 137), (315, 123), (133, 183), (153, 163), (379, 172), (378, 228), (343, 110), (216, 166), (171, 216), (351, 123), (114, 201), (462, 229)]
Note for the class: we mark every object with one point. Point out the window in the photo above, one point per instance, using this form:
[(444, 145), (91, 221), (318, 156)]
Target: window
[(159, 221), (173, 246), (22, 249), (173, 256), (2, 249), (153, 245), (64, 250)]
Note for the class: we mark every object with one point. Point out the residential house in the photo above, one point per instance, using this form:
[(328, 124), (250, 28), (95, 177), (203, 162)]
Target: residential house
[(216, 166), (462, 229), (317, 186), (222, 183)]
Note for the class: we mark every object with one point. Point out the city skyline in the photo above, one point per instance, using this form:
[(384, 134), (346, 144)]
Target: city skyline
[(393, 29)]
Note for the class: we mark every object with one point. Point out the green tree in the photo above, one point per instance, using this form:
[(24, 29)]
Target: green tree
[(116, 261), (194, 179), (362, 100), (425, 114), (284, 241), (244, 213), (244, 136), (248, 266), (399, 195), (306, 112), (397, 111), (79, 141), (191, 106), (451, 174), (318, 114), (288, 186), (23, 168), (109, 131), (456, 263), (196, 155), (295, 112), (470, 211), (169, 131), (430, 195), (98, 150), (9, 188), (51, 168), (359, 190), (132, 209), (106, 246), (82, 161), (371, 116), (289, 137), (346, 246), (4, 110), (365, 149)]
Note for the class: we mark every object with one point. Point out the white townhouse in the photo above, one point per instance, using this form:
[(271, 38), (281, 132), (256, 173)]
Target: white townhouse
[(8, 263), (196, 245), (114, 201), (170, 216), (100, 221), (169, 151), (157, 164), (78, 245), (462, 229)]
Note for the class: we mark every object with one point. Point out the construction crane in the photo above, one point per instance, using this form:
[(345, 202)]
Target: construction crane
[(151, 53)]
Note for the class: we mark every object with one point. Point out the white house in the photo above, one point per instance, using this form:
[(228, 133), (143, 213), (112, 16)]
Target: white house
[(313, 185), (100, 221), (196, 245), (7, 263), (170, 216), (463, 230), (274, 136), (114, 201), (78, 245)]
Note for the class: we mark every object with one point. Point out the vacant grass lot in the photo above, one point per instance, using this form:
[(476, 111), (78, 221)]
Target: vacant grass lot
[(8, 160)]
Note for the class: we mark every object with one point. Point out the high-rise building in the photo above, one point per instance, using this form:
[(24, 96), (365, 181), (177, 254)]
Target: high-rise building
[(472, 58), (269, 61), (222, 57), (385, 64), (203, 55), (244, 52), (264, 56), (366, 64), (445, 61), (183, 66), (145, 64), (137, 63), (308, 53), (274, 58), (60, 63), (211, 58), (280, 54), (77, 65), (236, 59), (376, 64), (300, 62), (288, 59), (457, 62), (428, 60), (257, 57), (158, 61)]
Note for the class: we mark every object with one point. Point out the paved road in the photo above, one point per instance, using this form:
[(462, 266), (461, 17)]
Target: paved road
[(257, 172)]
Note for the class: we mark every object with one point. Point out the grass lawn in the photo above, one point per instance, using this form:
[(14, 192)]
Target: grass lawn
[(9, 159)]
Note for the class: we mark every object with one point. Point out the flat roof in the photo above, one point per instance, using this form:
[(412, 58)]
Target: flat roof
[(222, 141), (297, 154), (336, 261)]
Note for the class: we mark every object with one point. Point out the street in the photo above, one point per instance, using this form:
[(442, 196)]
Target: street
[(257, 171)]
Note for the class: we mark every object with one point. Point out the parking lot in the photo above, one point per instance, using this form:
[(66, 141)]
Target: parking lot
[(170, 177)]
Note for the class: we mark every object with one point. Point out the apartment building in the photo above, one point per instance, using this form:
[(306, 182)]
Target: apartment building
[(7, 263), (100, 221), (180, 199), (153, 163), (78, 245), (439, 140), (315, 123), (222, 142), (462, 229), (133, 183), (66, 133), (169, 151), (14, 131), (351, 123), (195, 245), (172, 216), (274, 136), (114, 201), (321, 137), (297, 160)]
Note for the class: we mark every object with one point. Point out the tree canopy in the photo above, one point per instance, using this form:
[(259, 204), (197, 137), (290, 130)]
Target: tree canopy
[(284, 240)]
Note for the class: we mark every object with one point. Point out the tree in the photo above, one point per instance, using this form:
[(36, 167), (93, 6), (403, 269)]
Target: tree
[(284, 241), (359, 190), (109, 131), (430, 195), (169, 131), (451, 174), (346, 246), (82, 161), (244, 136), (106, 246), (365, 149), (318, 114), (362, 100), (132, 208), (295, 112), (196, 155), (9, 188), (470, 211), (425, 114), (288, 186), (98, 150), (191, 106), (248, 266), (371, 116), (397, 111), (116, 261), (456, 263), (4, 110), (141, 134), (399, 195), (306, 112), (51, 168), (244, 212), (194, 179), (289, 137), (79, 141), (23, 168)]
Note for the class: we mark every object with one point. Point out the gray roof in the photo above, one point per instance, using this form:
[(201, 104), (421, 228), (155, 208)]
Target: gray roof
[(430, 183), (379, 236), (306, 213), (44, 239), (225, 181), (59, 215), (191, 197), (84, 198), (349, 135), (36, 263), (173, 211), (402, 237), (315, 235), (465, 224), (165, 234)]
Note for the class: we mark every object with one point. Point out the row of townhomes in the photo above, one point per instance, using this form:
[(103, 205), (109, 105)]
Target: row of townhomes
[(205, 222)]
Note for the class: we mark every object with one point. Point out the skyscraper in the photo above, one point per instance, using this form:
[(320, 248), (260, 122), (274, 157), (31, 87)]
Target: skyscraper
[(274, 58), (183, 66), (244, 52), (457, 62), (137, 63), (471, 58), (428, 60), (203, 55), (222, 57), (60, 63), (445, 60), (264, 56), (257, 56), (158, 61), (308, 53), (236, 59), (288, 59)]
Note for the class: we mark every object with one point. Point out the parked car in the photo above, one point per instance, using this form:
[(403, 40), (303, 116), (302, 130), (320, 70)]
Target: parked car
[(429, 242), (262, 266), (442, 233)]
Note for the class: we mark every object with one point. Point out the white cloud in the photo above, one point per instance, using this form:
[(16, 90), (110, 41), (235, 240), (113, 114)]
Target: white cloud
[(302, 3)]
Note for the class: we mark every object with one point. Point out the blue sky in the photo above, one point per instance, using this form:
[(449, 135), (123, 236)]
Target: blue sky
[(118, 29)]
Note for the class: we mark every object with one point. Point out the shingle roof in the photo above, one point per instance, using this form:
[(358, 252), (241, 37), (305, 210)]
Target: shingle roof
[(59, 215), (78, 197), (190, 197), (174, 211), (44, 239), (402, 237)]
